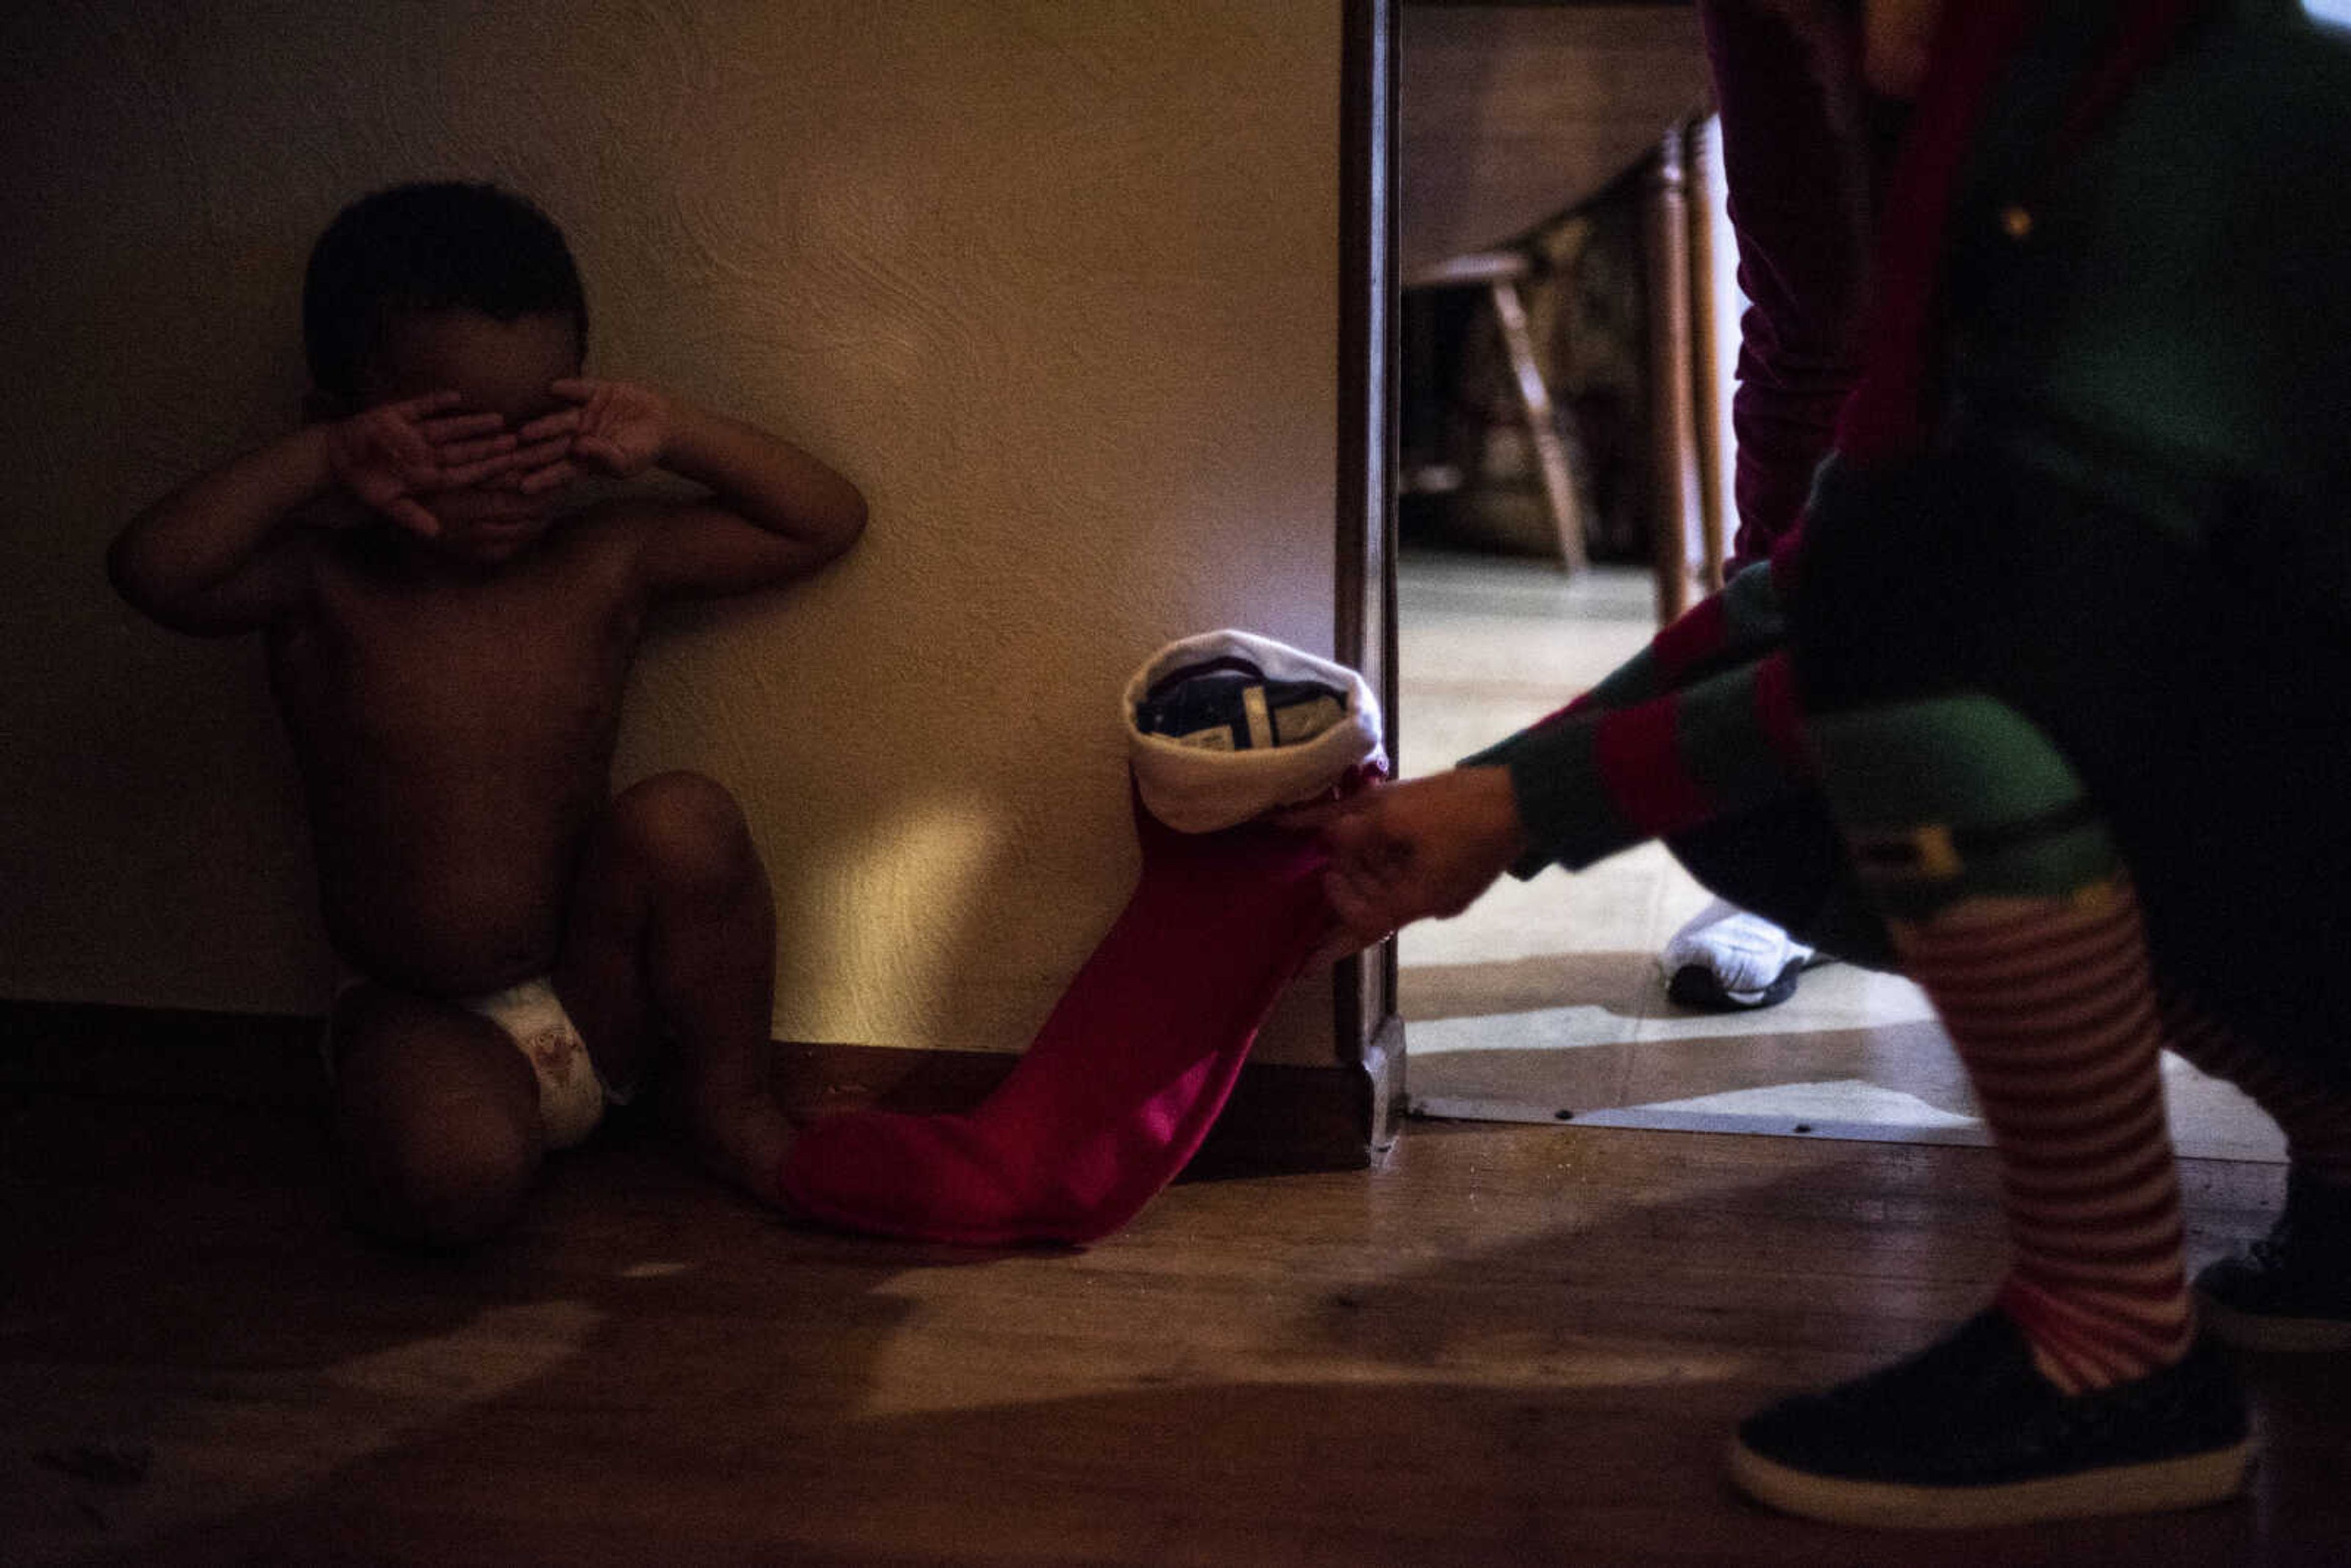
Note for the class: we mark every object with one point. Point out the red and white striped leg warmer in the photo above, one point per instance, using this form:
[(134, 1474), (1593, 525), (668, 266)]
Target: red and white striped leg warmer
[(2316, 1116), (2050, 1003)]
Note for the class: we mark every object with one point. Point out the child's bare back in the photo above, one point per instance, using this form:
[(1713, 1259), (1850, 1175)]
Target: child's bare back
[(449, 662)]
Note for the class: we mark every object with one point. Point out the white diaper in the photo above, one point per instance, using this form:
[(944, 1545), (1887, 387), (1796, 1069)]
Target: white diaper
[(571, 1093)]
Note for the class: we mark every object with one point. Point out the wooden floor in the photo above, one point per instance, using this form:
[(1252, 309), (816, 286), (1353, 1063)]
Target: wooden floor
[(1517, 1346)]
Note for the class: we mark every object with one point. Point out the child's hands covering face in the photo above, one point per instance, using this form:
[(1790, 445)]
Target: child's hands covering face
[(390, 455), (615, 428)]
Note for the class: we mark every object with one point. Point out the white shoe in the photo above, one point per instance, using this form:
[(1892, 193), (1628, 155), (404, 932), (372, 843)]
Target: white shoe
[(1728, 960)]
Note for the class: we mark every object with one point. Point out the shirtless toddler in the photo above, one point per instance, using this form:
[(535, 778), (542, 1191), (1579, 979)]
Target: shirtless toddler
[(448, 646)]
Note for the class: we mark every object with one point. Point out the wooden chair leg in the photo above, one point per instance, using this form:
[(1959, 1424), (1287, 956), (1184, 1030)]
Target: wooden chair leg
[(1534, 397), (1672, 427), (1712, 507)]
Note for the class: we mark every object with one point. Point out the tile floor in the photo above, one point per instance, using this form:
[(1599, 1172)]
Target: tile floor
[(1544, 1001)]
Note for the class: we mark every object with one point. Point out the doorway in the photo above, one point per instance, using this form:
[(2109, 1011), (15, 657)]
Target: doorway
[(1545, 1001)]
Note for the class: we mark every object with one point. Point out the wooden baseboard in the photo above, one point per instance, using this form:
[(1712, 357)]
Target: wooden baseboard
[(1281, 1118)]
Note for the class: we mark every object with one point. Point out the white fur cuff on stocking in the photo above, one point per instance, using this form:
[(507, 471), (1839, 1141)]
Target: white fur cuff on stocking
[(1290, 726)]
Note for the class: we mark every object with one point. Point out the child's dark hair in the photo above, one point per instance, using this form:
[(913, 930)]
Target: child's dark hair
[(430, 247)]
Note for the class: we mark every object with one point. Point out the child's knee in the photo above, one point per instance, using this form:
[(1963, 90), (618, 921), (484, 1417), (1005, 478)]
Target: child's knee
[(459, 1179), (1950, 798), (459, 1189), (687, 832), (437, 1118)]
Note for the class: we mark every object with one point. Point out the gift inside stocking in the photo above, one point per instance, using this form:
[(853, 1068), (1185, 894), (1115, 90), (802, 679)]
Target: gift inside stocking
[(1131, 1067)]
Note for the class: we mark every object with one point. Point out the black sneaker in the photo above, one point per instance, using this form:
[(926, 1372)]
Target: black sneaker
[(1969, 1433), (1698, 987), (2291, 1290)]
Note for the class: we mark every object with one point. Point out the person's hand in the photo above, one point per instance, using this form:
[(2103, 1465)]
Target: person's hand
[(390, 455), (616, 428), (1402, 853)]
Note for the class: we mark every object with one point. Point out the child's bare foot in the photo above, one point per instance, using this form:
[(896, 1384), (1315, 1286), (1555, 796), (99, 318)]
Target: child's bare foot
[(738, 1136)]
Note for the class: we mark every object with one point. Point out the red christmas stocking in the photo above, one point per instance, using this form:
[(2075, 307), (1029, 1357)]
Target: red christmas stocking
[(1133, 1064)]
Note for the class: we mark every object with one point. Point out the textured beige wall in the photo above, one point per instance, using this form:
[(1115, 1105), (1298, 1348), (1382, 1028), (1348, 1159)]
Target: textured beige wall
[(1054, 282)]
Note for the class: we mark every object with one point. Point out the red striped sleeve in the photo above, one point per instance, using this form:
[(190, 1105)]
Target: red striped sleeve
[(1641, 768), (1782, 720), (1702, 632)]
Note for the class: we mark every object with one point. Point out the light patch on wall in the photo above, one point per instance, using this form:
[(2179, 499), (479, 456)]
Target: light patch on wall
[(923, 892)]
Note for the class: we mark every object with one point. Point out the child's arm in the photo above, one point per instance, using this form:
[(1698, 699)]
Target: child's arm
[(200, 561), (775, 513), (208, 558)]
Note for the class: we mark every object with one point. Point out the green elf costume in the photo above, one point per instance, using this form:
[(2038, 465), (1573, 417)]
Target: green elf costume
[(2048, 704)]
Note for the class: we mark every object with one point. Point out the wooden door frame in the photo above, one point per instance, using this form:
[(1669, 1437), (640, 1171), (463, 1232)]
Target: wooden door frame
[(1369, 1033)]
